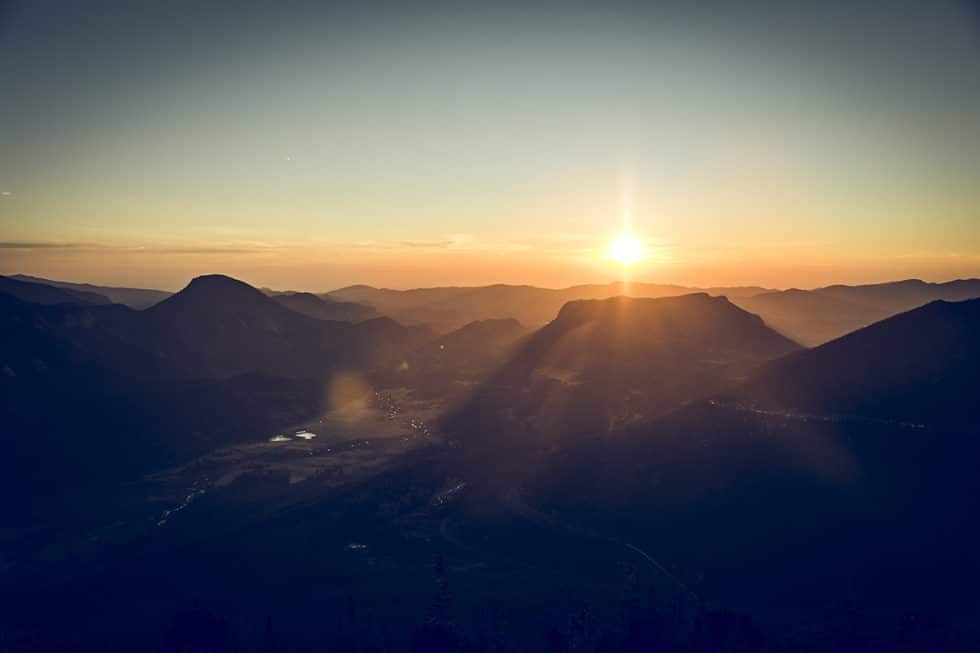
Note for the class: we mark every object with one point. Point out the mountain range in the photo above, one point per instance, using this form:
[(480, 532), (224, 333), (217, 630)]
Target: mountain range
[(809, 317), (813, 317), (682, 446), (849, 464), (451, 307), (137, 298)]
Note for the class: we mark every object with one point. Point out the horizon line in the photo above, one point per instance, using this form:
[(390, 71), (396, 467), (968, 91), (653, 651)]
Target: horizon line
[(694, 288)]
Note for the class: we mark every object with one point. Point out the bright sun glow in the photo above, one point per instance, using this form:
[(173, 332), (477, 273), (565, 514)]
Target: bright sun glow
[(625, 249)]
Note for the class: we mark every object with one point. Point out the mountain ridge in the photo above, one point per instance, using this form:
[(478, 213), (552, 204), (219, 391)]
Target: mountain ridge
[(603, 364), (138, 298), (41, 293)]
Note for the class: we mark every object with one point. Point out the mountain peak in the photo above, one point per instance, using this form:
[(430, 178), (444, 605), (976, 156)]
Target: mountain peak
[(217, 282), (217, 293)]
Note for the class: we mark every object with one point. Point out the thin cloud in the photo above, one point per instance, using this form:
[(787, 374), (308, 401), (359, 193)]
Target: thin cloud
[(428, 244), (143, 249), (451, 240), (14, 245), (199, 250)]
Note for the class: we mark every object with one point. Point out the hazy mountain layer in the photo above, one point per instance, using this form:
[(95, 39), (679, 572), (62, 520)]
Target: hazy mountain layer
[(813, 317), (322, 307), (810, 317), (452, 307), (137, 298), (42, 293)]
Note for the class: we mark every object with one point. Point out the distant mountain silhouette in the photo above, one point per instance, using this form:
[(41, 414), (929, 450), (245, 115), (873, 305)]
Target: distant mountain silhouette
[(137, 298), (810, 317), (813, 317), (323, 307), (897, 296), (449, 308), (41, 293), (850, 465), (603, 364)]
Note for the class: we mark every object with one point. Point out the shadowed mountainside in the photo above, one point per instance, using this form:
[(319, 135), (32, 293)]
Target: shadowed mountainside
[(217, 362), (850, 465), (603, 364), (451, 366), (919, 366)]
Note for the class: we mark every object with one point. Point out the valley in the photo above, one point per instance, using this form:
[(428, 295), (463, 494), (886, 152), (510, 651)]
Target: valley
[(673, 448)]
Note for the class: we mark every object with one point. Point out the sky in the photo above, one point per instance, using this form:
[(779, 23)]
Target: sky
[(313, 145)]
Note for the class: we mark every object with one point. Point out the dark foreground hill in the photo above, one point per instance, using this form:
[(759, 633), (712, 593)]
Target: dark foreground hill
[(603, 364), (918, 367), (848, 466)]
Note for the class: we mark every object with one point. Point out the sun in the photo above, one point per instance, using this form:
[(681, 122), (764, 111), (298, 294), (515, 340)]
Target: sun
[(626, 249)]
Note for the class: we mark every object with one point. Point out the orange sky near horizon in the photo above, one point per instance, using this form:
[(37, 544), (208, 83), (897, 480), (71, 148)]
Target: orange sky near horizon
[(465, 262)]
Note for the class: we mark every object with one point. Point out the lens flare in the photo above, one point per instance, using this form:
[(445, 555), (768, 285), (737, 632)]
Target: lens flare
[(626, 249)]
